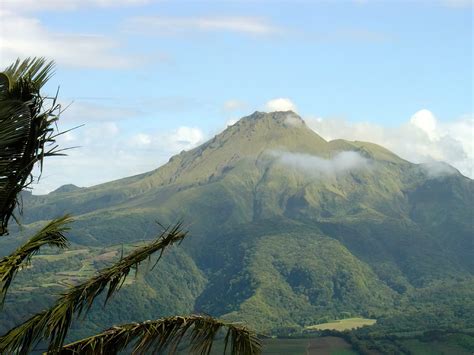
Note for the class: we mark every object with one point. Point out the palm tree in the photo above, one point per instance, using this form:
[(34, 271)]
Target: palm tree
[(27, 136)]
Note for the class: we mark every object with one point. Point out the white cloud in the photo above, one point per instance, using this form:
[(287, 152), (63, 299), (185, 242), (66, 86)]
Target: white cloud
[(107, 153), (426, 121), (280, 104), (183, 138), (174, 25), (438, 169), (25, 36), (316, 166), (422, 139), (65, 5)]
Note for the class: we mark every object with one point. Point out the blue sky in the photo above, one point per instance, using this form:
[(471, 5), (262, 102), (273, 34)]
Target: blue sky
[(149, 78)]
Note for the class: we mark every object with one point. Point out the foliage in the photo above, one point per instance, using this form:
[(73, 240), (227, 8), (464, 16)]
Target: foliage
[(26, 129), (55, 322), (52, 235), (167, 334)]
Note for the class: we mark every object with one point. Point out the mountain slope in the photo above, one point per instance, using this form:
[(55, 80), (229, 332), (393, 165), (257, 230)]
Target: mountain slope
[(286, 227)]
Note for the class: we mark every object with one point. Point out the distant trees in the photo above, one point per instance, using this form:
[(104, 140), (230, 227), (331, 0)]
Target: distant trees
[(27, 136)]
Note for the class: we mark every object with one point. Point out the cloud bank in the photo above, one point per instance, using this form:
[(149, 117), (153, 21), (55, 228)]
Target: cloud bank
[(108, 150), (422, 139), (315, 166)]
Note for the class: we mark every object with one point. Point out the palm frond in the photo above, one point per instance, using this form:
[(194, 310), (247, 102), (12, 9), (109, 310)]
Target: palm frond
[(52, 235), (36, 71), (165, 335), (54, 323), (26, 129)]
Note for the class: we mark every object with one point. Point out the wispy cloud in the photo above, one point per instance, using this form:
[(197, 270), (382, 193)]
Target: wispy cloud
[(176, 25), (24, 36), (438, 169), (315, 166), (65, 5)]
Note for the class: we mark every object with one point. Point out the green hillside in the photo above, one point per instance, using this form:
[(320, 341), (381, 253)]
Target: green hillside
[(286, 230)]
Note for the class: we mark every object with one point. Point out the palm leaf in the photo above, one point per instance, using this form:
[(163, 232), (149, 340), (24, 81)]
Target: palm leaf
[(26, 129), (35, 71), (52, 235), (165, 335), (54, 323)]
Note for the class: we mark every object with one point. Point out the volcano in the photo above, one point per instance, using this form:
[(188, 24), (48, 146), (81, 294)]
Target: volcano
[(285, 228)]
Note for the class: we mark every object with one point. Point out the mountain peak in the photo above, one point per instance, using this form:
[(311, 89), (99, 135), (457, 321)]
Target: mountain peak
[(285, 118), (243, 143)]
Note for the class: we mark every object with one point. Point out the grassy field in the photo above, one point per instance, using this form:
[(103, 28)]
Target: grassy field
[(344, 324)]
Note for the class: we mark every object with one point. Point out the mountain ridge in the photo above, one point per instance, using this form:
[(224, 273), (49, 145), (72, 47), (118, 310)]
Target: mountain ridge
[(281, 119)]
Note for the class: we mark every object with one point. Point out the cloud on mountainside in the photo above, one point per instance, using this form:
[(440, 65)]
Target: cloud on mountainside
[(438, 169), (316, 166)]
